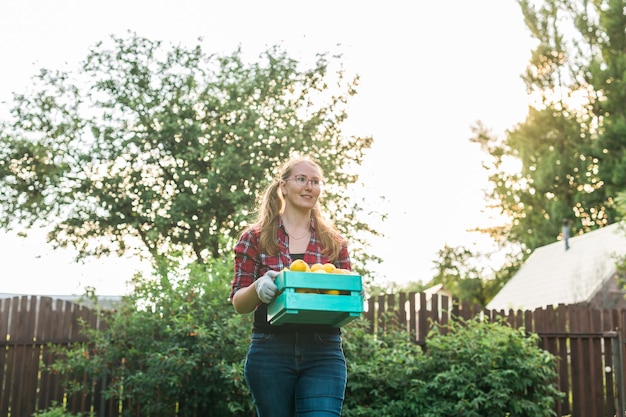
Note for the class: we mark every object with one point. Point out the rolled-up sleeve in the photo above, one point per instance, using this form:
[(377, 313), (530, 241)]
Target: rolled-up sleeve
[(246, 255)]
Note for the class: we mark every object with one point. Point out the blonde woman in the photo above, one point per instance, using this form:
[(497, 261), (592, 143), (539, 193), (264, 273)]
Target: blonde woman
[(292, 369)]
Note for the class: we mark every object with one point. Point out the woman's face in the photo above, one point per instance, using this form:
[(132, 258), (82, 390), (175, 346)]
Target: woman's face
[(303, 187)]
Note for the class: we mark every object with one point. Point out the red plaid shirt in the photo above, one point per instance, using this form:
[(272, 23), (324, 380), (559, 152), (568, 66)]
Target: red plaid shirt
[(251, 264)]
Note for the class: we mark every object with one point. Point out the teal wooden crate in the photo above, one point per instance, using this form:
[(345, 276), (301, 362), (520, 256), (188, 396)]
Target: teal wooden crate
[(294, 306)]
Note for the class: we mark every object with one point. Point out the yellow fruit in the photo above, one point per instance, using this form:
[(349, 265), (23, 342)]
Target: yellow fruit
[(333, 292), (328, 267), (299, 265), (306, 291), (317, 267)]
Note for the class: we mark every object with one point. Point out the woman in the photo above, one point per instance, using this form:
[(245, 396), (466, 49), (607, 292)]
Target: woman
[(293, 369)]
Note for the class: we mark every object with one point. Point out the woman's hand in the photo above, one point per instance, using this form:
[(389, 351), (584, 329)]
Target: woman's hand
[(265, 287)]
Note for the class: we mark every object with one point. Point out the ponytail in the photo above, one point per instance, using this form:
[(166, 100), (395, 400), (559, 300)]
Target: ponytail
[(272, 205)]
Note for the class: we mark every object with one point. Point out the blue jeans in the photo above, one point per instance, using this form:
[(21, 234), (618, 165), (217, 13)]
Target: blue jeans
[(296, 374)]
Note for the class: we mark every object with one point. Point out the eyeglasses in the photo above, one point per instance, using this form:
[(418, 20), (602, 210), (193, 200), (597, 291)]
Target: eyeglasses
[(302, 180)]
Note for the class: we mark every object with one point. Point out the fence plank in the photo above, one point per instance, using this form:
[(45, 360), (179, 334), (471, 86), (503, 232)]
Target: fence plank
[(5, 356), (434, 316), (30, 357), (371, 313), (19, 332), (45, 335), (578, 323), (412, 315), (596, 342), (608, 327), (391, 312), (422, 320), (401, 315), (563, 355)]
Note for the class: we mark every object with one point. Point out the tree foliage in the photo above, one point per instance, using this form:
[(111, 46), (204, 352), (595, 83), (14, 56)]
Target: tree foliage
[(601, 26), (570, 148), (565, 163), (169, 146), (464, 273)]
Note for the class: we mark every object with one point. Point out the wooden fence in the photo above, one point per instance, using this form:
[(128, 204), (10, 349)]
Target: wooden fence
[(588, 343), (30, 328)]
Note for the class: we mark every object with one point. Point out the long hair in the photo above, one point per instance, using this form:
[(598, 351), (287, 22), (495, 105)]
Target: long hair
[(272, 205)]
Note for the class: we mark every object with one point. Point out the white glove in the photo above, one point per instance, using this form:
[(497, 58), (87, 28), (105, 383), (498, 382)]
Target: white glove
[(265, 287)]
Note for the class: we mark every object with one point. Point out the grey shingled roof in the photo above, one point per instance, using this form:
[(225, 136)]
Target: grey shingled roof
[(552, 275)]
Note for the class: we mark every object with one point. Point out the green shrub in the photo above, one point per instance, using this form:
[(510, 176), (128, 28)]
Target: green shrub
[(479, 368), (474, 369), (55, 410), (170, 349), (381, 368)]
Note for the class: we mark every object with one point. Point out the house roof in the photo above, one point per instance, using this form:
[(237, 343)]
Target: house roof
[(553, 275), (437, 289)]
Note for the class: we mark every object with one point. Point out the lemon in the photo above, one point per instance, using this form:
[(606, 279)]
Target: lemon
[(317, 267), (299, 265)]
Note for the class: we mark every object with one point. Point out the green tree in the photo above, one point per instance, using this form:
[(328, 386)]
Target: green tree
[(555, 180), (607, 74), (170, 146), (565, 160), (465, 274)]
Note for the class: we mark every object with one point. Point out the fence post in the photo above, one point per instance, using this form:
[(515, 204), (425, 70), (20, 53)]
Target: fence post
[(618, 365)]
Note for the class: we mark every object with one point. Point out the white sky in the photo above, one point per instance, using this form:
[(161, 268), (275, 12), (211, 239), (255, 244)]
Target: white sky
[(428, 73)]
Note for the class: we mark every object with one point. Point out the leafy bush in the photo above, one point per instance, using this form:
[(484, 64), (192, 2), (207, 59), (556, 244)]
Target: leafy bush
[(381, 369), (479, 368), (55, 410), (169, 347), (474, 369)]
